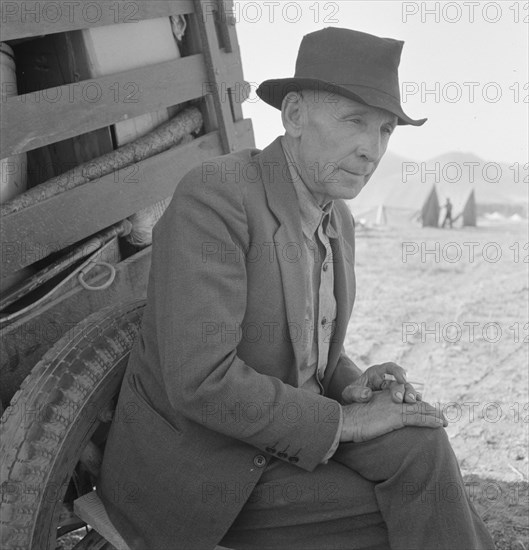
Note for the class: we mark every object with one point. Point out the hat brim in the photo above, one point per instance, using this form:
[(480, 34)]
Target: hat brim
[(273, 92)]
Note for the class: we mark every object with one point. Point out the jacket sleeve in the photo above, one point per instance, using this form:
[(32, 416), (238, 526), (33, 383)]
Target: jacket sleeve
[(199, 288), (345, 373)]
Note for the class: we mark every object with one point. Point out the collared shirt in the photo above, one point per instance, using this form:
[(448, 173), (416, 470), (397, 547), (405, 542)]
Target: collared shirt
[(318, 227)]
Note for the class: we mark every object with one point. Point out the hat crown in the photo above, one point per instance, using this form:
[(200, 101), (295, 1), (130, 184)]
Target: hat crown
[(358, 59), (349, 63)]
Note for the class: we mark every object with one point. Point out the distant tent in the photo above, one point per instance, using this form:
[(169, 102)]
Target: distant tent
[(497, 186), (392, 202), (463, 201), (430, 210), (413, 201), (369, 204), (470, 210)]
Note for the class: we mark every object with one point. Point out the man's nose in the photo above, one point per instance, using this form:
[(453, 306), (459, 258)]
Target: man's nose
[(370, 146)]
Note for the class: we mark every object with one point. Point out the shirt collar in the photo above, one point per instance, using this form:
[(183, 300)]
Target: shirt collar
[(311, 212)]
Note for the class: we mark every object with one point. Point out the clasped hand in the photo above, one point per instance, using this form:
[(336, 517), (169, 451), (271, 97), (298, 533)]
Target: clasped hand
[(374, 406)]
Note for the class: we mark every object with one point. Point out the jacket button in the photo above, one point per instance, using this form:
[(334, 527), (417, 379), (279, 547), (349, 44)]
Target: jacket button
[(270, 450), (282, 455), (259, 461), (325, 267), (293, 459)]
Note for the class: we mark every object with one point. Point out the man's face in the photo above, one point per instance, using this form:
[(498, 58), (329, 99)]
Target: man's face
[(340, 144)]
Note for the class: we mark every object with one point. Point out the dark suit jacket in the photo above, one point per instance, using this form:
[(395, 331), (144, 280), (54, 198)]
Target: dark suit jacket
[(210, 393)]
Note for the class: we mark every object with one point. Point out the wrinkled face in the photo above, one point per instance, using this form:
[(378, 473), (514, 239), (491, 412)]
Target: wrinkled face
[(337, 143)]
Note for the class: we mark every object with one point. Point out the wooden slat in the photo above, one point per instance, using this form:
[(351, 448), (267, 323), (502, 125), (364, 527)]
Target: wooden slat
[(218, 80), (37, 231), (92, 511), (26, 18), (227, 21), (32, 120), (241, 91)]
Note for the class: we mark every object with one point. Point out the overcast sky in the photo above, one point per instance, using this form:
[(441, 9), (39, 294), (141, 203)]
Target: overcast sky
[(464, 66)]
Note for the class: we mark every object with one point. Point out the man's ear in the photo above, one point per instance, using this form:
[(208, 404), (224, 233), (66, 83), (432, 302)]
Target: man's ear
[(292, 113)]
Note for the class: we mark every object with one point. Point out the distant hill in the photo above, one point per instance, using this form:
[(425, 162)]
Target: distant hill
[(493, 182), (390, 165), (498, 187), (381, 184)]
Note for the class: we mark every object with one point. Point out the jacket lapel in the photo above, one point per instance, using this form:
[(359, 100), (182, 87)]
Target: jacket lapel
[(288, 238), (345, 289), (288, 241)]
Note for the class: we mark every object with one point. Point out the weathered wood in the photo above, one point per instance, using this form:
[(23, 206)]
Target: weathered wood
[(93, 541), (217, 82), (226, 20), (162, 138), (30, 121), (62, 264), (67, 218), (43, 63), (240, 92), (28, 338), (21, 19)]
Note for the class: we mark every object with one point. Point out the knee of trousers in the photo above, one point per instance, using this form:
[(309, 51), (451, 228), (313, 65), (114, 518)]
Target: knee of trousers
[(427, 447)]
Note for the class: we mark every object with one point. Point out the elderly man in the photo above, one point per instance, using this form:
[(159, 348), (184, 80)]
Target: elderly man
[(247, 423)]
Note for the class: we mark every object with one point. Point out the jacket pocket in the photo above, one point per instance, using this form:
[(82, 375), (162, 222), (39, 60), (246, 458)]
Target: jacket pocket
[(142, 409)]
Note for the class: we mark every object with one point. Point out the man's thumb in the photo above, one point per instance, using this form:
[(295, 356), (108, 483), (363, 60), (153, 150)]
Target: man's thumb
[(356, 393)]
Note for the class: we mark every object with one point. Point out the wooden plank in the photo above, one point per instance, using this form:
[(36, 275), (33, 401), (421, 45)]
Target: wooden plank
[(60, 61), (217, 76), (240, 93), (226, 23), (91, 510), (28, 338), (30, 121), (36, 232), (26, 18)]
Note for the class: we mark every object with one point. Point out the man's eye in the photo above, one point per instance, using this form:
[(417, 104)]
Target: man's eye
[(388, 130)]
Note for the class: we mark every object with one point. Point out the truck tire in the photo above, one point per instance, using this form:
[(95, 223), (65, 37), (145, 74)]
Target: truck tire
[(63, 406)]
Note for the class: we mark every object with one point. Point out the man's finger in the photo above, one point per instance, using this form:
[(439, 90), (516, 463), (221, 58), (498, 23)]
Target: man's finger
[(423, 414), (356, 393), (396, 370), (397, 392), (410, 395)]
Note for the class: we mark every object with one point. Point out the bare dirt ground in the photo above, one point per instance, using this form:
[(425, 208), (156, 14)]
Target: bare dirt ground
[(451, 306), (460, 325)]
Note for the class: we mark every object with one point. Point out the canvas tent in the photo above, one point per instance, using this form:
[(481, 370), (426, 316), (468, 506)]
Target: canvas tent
[(498, 187), (463, 199), (393, 202)]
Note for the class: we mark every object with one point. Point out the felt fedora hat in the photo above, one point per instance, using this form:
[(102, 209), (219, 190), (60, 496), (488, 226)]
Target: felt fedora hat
[(349, 63)]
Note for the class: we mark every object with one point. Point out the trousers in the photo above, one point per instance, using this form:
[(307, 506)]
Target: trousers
[(400, 491)]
